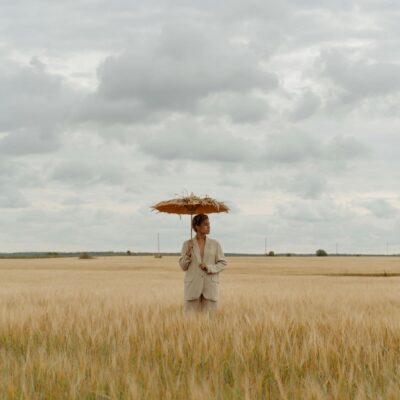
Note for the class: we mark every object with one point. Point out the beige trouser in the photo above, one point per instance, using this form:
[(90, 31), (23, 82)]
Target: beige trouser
[(201, 304)]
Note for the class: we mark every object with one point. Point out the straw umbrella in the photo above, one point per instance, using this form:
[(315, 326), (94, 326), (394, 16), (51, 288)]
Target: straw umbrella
[(191, 205)]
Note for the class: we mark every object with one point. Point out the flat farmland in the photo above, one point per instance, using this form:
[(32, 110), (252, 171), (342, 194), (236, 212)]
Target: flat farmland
[(114, 328)]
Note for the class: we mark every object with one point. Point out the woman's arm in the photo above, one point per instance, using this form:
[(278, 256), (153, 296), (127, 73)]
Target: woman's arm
[(185, 259), (220, 262)]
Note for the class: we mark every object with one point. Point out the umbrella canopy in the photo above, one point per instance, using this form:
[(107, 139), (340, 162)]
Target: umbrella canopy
[(191, 205)]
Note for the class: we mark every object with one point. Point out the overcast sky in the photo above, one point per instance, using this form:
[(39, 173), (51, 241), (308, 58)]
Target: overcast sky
[(288, 111)]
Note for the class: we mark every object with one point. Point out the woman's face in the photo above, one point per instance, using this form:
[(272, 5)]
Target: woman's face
[(204, 228)]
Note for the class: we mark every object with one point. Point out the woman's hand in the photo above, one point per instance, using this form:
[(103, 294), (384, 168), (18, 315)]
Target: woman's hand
[(203, 266)]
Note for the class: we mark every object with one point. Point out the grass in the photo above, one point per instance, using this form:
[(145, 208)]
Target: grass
[(377, 274), (115, 329)]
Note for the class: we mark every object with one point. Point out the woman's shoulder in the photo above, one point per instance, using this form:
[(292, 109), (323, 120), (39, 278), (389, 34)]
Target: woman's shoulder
[(212, 240)]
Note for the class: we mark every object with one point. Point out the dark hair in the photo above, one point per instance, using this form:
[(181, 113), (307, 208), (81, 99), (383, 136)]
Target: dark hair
[(198, 220)]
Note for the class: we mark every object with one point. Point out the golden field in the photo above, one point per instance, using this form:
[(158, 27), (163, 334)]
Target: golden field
[(114, 328)]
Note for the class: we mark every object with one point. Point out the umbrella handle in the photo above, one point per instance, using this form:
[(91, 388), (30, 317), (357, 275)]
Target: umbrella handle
[(191, 224)]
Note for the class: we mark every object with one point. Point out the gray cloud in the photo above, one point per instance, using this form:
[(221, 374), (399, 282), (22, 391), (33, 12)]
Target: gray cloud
[(29, 140), (11, 197), (36, 106), (188, 141), (241, 108), (31, 96), (298, 146), (86, 173), (309, 185), (307, 105), (184, 65), (381, 208), (308, 211), (359, 78)]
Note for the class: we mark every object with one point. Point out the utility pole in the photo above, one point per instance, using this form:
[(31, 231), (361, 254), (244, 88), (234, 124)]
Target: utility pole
[(387, 248), (336, 248), (265, 243), (158, 255)]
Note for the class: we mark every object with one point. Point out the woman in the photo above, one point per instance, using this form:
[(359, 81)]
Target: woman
[(203, 259)]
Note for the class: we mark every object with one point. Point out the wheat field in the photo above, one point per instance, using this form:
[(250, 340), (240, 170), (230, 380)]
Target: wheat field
[(114, 328)]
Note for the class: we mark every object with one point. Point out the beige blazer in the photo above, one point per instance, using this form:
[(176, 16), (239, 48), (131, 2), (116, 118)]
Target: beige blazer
[(196, 280)]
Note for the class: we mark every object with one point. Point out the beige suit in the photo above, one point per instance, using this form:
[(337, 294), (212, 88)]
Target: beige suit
[(199, 283)]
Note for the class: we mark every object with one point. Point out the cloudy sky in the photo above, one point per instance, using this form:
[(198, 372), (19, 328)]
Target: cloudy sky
[(288, 111)]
